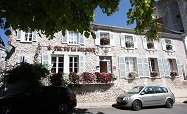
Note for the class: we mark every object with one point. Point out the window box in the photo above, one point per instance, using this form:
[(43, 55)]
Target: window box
[(173, 73), (150, 45), (169, 47), (154, 74), (132, 74), (105, 41), (129, 44)]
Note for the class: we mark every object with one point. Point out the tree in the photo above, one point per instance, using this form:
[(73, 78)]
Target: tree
[(51, 16)]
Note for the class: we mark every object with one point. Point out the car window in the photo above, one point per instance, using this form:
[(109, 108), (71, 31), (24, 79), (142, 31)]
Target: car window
[(149, 90), (165, 90), (159, 90), (135, 90)]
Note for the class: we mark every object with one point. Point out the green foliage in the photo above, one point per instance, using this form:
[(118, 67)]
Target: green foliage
[(27, 74), (52, 16), (142, 13)]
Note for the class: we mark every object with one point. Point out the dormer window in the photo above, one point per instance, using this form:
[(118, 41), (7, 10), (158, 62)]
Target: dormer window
[(150, 44), (128, 41), (104, 39), (168, 45)]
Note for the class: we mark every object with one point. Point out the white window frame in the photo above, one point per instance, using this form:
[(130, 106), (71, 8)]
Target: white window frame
[(57, 63), (73, 63), (130, 63), (75, 39)]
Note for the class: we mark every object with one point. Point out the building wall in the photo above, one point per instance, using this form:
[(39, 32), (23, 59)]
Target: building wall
[(105, 92)]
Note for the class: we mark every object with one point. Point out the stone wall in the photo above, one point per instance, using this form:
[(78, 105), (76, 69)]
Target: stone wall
[(109, 92)]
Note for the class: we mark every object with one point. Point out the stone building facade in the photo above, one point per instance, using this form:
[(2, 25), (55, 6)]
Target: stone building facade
[(115, 50)]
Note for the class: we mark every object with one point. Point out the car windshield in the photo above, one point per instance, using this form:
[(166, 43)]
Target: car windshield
[(135, 90)]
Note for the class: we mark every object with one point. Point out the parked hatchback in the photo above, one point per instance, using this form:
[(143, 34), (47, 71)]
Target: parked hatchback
[(142, 96), (59, 99)]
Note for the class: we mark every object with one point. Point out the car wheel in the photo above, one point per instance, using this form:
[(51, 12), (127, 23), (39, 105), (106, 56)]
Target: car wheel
[(137, 105), (5, 109), (169, 103), (63, 108)]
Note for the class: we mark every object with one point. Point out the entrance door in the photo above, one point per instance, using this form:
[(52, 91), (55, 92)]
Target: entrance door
[(105, 64)]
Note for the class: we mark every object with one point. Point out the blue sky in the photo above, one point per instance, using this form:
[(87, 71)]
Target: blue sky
[(117, 19)]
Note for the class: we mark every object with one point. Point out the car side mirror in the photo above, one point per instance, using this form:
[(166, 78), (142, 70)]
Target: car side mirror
[(142, 93)]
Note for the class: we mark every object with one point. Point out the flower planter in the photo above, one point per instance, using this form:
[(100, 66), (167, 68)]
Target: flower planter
[(129, 44), (169, 47), (105, 41), (150, 45), (154, 74)]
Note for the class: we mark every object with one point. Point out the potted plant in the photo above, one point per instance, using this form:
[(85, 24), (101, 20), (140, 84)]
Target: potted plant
[(87, 77), (154, 74), (150, 45), (173, 73), (133, 74), (129, 43), (105, 41), (168, 46)]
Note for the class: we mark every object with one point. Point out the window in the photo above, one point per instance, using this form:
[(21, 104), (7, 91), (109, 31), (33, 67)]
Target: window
[(129, 65), (150, 44), (159, 90), (24, 59), (172, 64), (73, 37), (73, 64), (58, 64), (104, 39), (153, 67), (168, 44), (129, 43), (28, 36)]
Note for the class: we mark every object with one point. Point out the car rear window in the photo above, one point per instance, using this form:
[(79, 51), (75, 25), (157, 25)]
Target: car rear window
[(165, 90)]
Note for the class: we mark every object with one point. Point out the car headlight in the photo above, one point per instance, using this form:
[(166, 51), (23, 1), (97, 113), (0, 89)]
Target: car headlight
[(126, 98)]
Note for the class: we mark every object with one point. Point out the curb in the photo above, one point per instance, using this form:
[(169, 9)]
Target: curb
[(110, 104)]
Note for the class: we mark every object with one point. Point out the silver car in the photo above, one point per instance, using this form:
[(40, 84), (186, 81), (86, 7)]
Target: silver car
[(142, 96)]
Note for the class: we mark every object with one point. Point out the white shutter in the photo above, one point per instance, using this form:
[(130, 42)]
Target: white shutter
[(122, 67), (163, 44), (81, 64), (112, 40), (65, 38), (21, 58), (18, 37), (34, 36), (135, 41), (146, 67), (122, 37), (140, 67), (27, 59), (46, 61), (109, 67), (161, 67), (144, 40), (97, 40), (173, 45), (22, 36), (82, 39), (179, 68), (185, 42), (155, 45), (166, 67)]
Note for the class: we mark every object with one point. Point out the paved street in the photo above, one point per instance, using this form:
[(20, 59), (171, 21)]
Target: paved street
[(177, 109)]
